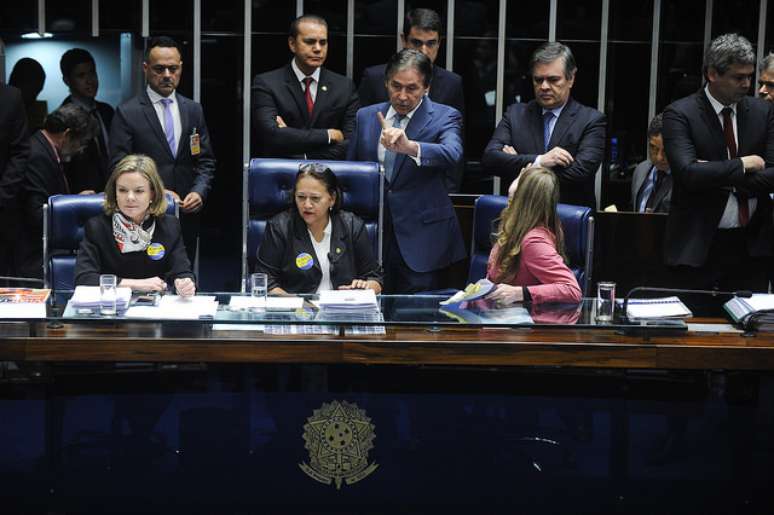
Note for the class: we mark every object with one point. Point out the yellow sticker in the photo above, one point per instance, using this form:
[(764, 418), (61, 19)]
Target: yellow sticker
[(155, 251), (304, 261)]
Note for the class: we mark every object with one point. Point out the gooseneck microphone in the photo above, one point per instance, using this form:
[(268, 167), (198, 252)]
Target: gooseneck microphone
[(714, 293)]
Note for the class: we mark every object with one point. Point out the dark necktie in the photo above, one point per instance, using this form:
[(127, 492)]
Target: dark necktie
[(101, 144), (389, 155), (650, 204), (728, 135), (308, 95)]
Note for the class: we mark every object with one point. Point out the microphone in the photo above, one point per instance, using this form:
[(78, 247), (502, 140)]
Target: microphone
[(739, 293)]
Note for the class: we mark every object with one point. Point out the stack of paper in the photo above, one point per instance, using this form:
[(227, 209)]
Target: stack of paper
[(279, 303), (174, 307), (756, 311), (89, 297), (666, 307), (348, 300), (23, 302)]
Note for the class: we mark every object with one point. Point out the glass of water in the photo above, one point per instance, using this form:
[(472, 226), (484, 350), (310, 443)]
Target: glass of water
[(259, 283), (605, 301), (108, 294)]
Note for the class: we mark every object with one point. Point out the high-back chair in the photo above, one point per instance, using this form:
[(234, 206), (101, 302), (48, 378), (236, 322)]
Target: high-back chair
[(64, 217), (577, 223), (268, 184)]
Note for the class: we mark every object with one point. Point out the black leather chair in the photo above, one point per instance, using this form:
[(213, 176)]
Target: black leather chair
[(267, 191), (63, 220), (577, 223)]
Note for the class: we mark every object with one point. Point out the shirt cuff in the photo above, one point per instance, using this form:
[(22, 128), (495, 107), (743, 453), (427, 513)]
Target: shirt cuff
[(418, 159), (536, 162)]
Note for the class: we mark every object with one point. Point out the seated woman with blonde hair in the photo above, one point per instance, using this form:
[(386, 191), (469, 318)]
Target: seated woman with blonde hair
[(135, 240), (527, 262)]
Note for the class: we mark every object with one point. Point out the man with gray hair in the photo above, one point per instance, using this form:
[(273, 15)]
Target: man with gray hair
[(766, 78), (417, 141), (720, 144), (553, 130)]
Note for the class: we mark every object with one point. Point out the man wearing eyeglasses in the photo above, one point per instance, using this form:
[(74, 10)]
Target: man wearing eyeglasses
[(170, 128), (766, 80), (421, 31)]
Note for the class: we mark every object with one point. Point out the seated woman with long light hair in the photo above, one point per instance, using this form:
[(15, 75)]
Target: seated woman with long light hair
[(528, 262)]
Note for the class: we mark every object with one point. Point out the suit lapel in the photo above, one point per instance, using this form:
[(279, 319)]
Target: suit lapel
[(323, 96), (742, 126), (303, 239), (664, 187), (185, 122), (566, 119), (535, 116), (422, 117), (153, 121), (294, 88), (714, 129)]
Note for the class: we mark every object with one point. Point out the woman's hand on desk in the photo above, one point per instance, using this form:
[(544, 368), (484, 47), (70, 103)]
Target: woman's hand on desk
[(362, 284), (507, 294), (185, 287), (148, 284)]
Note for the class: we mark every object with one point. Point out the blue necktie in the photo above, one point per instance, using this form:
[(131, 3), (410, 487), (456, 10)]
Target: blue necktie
[(169, 125), (389, 156), (548, 116)]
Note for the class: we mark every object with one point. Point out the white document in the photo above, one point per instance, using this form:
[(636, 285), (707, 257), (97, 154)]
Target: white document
[(281, 303), (89, 297), (760, 302), (665, 307), (23, 310), (348, 300), (175, 307)]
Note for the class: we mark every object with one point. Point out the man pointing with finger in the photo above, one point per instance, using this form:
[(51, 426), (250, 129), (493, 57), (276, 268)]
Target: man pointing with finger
[(416, 141), (553, 130)]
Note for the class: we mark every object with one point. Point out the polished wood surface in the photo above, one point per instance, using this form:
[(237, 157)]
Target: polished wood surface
[(554, 347)]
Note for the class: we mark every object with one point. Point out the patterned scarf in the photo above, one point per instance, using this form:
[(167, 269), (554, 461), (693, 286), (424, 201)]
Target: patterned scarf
[(129, 236)]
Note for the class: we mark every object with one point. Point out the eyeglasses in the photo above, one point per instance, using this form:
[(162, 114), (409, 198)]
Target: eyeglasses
[(314, 199), (769, 84), (158, 69)]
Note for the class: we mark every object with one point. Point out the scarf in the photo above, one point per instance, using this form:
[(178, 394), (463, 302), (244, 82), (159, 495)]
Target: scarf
[(129, 236)]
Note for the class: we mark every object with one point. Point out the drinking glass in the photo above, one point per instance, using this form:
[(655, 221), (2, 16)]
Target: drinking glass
[(108, 294)]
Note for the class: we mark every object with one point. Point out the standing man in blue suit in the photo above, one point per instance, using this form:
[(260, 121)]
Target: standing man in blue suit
[(170, 128), (553, 130), (421, 31), (417, 141)]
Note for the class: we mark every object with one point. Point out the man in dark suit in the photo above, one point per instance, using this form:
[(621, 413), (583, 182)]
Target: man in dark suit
[(14, 151), (303, 110), (170, 128), (90, 169), (553, 130), (417, 141), (720, 144), (766, 78), (652, 179), (421, 31), (65, 133)]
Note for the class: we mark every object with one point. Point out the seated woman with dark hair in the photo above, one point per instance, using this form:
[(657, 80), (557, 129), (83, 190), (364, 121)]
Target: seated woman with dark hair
[(135, 240), (314, 245), (527, 262)]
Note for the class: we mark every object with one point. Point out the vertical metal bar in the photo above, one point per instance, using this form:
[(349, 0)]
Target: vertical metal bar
[(41, 17), (197, 50), (145, 18), (246, 93), (603, 55), (350, 37), (450, 35), (299, 8), (401, 17), (552, 20), (95, 18), (709, 7), (654, 53), (761, 35), (500, 75)]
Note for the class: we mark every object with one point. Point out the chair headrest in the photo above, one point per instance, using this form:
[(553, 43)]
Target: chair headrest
[(271, 181)]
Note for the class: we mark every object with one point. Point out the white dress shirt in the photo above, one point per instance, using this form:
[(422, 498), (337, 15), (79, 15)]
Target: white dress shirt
[(301, 76), (730, 218), (155, 98), (390, 119), (322, 249)]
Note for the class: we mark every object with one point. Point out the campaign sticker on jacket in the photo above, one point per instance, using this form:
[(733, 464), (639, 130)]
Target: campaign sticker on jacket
[(304, 261), (195, 144), (155, 251)]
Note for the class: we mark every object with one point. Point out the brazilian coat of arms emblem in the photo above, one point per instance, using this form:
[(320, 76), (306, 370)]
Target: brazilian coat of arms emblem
[(338, 437)]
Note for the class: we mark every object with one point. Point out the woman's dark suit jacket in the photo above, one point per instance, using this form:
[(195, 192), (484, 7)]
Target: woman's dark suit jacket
[(99, 254), (287, 237)]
